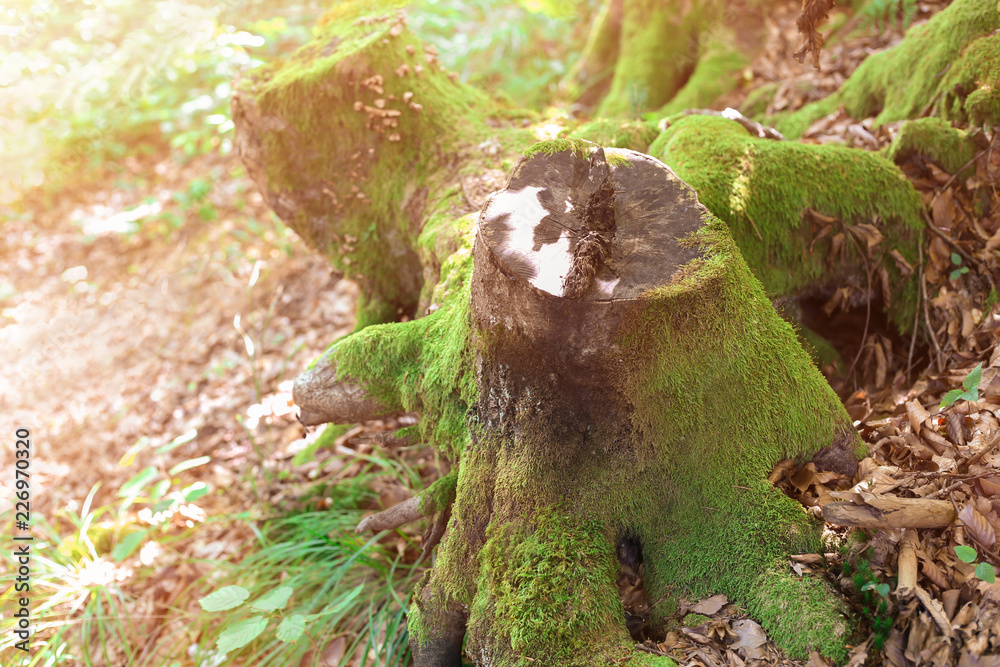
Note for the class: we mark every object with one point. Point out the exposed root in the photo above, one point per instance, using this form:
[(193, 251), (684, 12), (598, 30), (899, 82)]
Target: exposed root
[(394, 517)]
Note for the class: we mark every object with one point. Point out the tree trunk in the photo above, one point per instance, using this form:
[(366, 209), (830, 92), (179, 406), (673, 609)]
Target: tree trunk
[(643, 56), (633, 388)]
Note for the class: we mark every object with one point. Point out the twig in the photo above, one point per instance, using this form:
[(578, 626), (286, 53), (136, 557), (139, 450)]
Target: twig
[(394, 517), (868, 302), (951, 487), (640, 647), (751, 126), (927, 321), (916, 311), (978, 456), (947, 239), (960, 170)]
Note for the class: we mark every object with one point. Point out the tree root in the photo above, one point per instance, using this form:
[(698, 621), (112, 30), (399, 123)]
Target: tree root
[(394, 517)]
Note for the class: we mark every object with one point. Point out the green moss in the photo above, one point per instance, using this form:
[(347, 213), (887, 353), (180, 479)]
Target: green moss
[(439, 494), (580, 147), (424, 365), (762, 188), (711, 411), (971, 88), (819, 348), (694, 620), (544, 588), (352, 139), (934, 139), (631, 134), (801, 602), (955, 46)]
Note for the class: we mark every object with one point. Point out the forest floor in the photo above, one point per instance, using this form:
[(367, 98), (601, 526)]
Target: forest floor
[(155, 353)]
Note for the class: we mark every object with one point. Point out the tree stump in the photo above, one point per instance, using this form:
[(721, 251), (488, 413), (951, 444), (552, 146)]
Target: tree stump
[(610, 381), (635, 388)]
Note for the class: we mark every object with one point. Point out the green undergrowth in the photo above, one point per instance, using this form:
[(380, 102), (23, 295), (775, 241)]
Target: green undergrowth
[(761, 188), (934, 139), (318, 556), (948, 66)]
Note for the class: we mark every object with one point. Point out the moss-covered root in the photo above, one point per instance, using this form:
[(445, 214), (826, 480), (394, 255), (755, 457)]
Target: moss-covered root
[(763, 189), (801, 614), (589, 77), (634, 135), (424, 366), (948, 66), (349, 138), (934, 139)]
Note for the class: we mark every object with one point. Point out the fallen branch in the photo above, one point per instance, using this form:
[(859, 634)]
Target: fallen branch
[(890, 513), (751, 126), (907, 563)]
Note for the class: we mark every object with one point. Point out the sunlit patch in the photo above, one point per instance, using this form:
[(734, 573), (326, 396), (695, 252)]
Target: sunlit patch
[(150, 552), (552, 261), (102, 573), (739, 198), (547, 131)]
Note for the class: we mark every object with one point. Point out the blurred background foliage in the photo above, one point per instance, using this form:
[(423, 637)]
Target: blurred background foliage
[(87, 85)]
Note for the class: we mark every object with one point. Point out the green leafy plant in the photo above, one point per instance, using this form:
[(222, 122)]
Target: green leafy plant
[(983, 571), (290, 628), (956, 273), (969, 390)]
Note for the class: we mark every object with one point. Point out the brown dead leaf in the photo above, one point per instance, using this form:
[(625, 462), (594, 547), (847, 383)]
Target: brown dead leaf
[(942, 211), (710, 606), (977, 526), (751, 639), (904, 267), (917, 415), (869, 234)]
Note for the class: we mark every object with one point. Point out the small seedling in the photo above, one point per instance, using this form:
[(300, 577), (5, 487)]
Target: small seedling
[(983, 571), (960, 270), (969, 391)]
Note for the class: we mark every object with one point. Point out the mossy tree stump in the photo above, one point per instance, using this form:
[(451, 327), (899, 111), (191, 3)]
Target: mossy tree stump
[(648, 405)]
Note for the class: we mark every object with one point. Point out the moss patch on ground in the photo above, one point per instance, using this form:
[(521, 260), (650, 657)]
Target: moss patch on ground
[(761, 188), (948, 65), (934, 139)]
